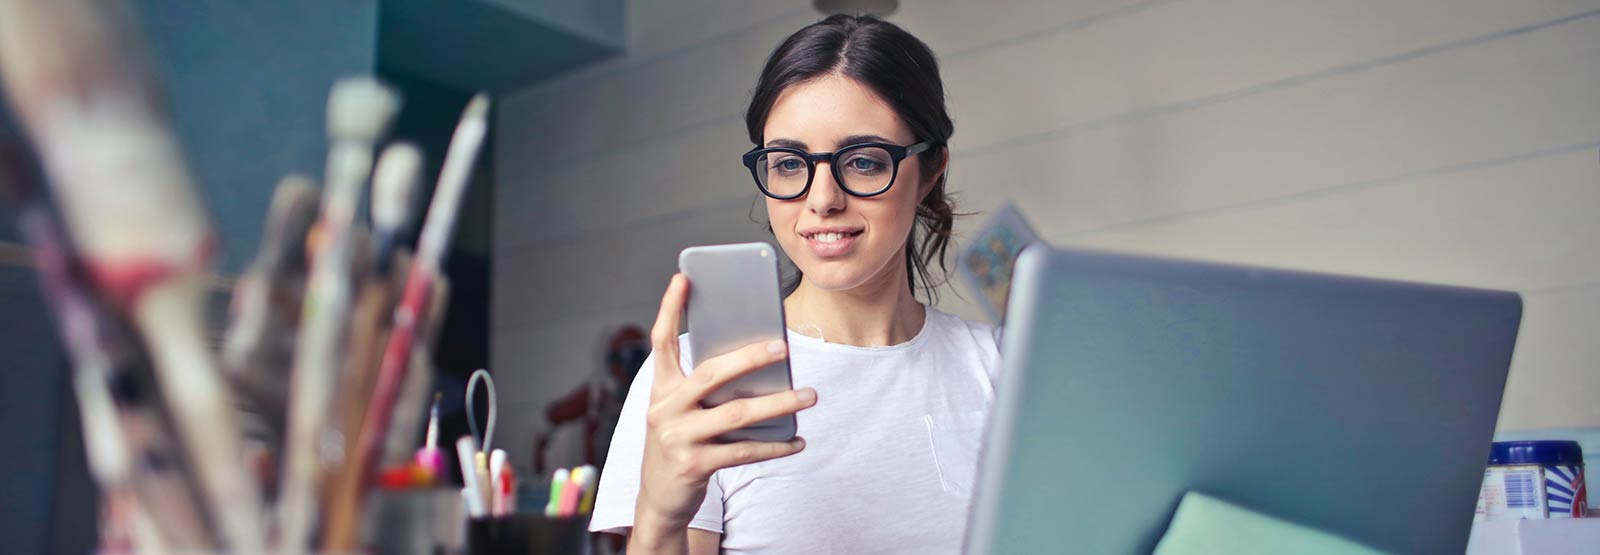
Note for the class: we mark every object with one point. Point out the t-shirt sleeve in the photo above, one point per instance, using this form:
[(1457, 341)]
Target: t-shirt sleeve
[(619, 480), (994, 373)]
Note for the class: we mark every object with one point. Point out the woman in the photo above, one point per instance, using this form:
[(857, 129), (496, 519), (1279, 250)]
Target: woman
[(850, 129)]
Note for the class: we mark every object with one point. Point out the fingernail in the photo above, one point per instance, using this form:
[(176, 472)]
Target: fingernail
[(806, 395), (776, 347)]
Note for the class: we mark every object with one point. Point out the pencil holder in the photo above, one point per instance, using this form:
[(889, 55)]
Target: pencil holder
[(424, 520), (528, 534)]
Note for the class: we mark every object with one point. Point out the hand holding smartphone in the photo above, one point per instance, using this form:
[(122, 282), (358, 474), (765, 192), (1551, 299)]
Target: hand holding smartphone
[(737, 405), (734, 301)]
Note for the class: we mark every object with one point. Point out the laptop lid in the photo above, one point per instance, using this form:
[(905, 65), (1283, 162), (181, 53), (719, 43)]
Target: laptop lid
[(1360, 407)]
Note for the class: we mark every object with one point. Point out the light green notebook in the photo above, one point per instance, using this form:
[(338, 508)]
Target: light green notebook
[(1205, 525)]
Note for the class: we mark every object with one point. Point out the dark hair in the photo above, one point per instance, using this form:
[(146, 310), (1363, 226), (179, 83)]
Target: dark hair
[(901, 70)]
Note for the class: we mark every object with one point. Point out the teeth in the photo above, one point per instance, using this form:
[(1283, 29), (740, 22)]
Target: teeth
[(827, 237)]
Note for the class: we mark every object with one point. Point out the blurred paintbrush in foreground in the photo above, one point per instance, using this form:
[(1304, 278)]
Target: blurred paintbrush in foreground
[(85, 97), (126, 271), (127, 438)]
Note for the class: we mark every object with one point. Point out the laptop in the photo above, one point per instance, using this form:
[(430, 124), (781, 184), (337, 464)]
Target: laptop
[(1359, 407)]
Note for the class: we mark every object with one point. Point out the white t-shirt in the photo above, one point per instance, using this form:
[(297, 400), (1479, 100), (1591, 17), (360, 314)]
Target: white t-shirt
[(890, 457)]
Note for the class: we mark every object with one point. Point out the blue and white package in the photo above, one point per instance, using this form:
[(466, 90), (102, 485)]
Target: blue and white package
[(1533, 479)]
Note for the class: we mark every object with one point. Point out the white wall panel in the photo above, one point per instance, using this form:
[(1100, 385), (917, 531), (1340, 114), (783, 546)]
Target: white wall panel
[(1555, 373)]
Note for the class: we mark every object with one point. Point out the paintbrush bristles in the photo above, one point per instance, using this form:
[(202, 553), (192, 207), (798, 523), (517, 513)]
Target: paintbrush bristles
[(394, 183), (360, 108)]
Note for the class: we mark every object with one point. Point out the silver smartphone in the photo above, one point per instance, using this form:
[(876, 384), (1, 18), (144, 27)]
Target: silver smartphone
[(734, 301)]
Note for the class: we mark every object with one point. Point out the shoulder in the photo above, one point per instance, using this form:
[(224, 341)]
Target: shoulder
[(980, 340), (947, 324)]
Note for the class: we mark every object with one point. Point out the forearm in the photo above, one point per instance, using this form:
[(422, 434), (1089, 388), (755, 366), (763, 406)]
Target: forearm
[(656, 536)]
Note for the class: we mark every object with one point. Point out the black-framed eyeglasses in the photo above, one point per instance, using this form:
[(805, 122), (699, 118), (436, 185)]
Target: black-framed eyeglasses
[(862, 170)]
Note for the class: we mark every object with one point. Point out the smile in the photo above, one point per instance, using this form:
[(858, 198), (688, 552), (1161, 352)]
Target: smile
[(831, 236), (830, 242)]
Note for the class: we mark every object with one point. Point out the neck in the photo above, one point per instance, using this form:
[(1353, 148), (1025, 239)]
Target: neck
[(880, 312)]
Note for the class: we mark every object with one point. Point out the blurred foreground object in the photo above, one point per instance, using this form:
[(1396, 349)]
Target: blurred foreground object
[(337, 310), (75, 75)]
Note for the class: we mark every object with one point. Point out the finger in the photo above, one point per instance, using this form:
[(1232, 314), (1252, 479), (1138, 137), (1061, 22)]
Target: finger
[(721, 369), (746, 452), (664, 336), (739, 413)]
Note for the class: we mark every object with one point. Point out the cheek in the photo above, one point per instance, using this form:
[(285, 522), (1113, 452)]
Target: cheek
[(781, 215), (897, 208)]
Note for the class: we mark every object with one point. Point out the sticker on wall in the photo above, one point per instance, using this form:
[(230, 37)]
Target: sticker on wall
[(986, 262)]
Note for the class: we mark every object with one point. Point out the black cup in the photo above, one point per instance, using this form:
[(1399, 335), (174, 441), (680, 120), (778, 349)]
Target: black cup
[(528, 534)]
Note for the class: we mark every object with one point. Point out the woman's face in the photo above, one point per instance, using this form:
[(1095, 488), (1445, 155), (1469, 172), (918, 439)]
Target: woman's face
[(839, 241)]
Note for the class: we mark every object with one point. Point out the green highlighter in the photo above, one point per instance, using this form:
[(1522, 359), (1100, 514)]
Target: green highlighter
[(552, 508)]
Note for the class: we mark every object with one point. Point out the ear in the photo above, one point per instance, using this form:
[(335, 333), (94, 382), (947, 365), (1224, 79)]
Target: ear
[(933, 177)]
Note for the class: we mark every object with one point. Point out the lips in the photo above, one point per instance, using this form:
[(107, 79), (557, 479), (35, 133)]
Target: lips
[(830, 242)]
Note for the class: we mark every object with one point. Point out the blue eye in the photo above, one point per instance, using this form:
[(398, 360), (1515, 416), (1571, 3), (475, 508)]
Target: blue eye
[(867, 162), (790, 164)]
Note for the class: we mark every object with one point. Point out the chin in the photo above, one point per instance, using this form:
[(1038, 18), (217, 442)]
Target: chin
[(840, 273), (834, 279)]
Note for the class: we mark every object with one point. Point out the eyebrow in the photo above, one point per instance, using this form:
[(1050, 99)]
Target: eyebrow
[(787, 143), (858, 139), (851, 140)]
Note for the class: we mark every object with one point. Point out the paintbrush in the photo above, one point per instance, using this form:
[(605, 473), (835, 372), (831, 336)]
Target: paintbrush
[(368, 329), (409, 407), (109, 456), (359, 109), (114, 458), (345, 496), (424, 272), (259, 346), (75, 78), (394, 185)]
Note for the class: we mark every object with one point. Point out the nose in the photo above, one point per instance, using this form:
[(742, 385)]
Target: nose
[(825, 196)]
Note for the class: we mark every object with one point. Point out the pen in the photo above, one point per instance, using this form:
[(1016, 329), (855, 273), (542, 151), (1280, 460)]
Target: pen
[(590, 477), (466, 454), (558, 483), (508, 490), (428, 456), (571, 493), (485, 487), (497, 466)]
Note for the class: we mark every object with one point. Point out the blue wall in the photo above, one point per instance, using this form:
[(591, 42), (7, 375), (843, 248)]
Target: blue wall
[(250, 82), (31, 383)]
